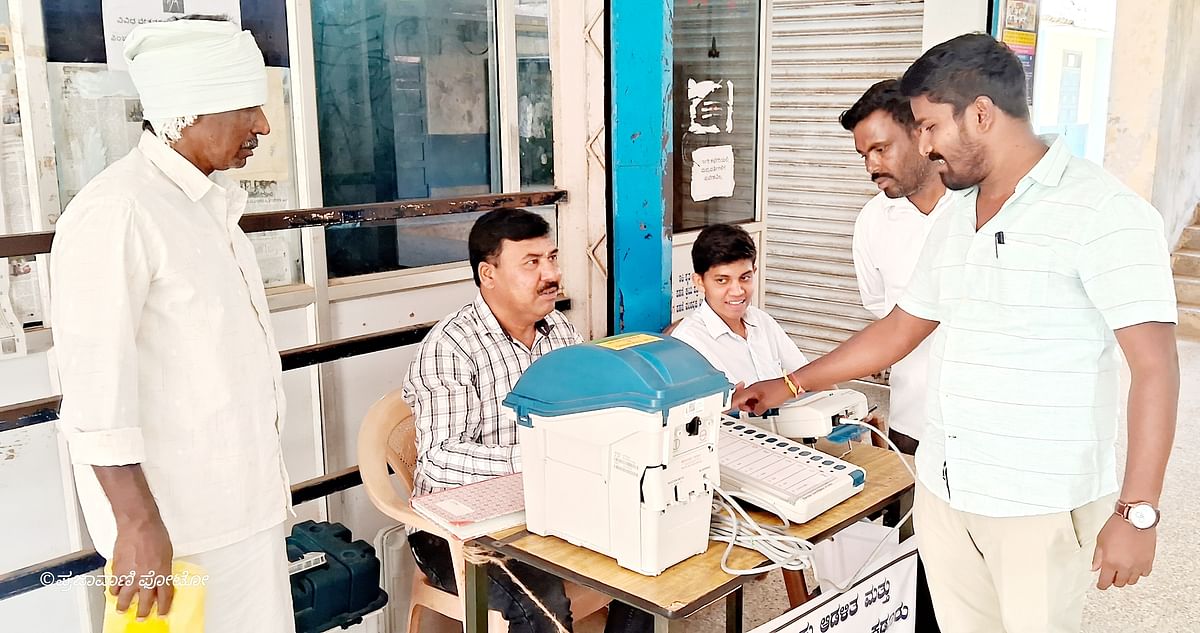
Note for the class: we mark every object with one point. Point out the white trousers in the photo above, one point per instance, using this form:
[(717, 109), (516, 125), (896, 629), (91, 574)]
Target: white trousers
[(1008, 575), (248, 588)]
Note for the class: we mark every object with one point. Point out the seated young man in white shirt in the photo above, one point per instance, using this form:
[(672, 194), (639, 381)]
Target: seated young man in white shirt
[(734, 336)]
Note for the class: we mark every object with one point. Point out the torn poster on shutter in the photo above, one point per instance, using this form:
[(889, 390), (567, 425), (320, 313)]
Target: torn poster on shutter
[(712, 173)]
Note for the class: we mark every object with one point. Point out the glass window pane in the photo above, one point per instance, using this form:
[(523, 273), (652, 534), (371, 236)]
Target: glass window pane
[(442, 239), (716, 105), (534, 107), (1072, 60), (97, 117), (407, 108)]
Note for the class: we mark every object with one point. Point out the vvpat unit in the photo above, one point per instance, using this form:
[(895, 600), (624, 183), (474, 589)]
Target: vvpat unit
[(814, 414), (618, 446)]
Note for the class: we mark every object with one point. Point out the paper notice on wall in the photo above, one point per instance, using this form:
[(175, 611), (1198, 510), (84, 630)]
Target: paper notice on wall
[(712, 173), (25, 291), (12, 333), (97, 119), (881, 602), (15, 216), (121, 16), (6, 50), (267, 176), (685, 296)]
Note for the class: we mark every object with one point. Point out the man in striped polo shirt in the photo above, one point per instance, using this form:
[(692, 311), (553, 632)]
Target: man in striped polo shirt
[(1035, 274)]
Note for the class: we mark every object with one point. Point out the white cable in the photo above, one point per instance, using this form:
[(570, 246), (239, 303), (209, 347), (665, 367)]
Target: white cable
[(733, 525), (772, 541)]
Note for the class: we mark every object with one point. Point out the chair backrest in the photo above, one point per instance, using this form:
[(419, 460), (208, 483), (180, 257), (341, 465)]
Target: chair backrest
[(396, 425), (402, 450)]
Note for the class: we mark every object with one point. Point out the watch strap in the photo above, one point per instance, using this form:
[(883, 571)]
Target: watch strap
[(1123, 507)]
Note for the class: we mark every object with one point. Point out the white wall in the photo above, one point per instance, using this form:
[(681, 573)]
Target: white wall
[(1177, 177), (32, 478), (1153, 142), (302, 440), (358, 382), (945, 19)]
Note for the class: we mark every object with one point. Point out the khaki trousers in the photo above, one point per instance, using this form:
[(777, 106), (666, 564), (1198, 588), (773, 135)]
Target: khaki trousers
[(1008, 575)]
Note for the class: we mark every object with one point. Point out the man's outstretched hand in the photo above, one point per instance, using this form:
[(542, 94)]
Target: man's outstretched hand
[(761, 396)]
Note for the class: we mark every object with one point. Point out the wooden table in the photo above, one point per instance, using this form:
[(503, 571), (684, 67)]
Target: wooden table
[(697, 582)]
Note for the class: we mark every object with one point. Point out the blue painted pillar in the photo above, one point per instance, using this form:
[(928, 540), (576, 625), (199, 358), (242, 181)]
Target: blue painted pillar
[(640, 178)]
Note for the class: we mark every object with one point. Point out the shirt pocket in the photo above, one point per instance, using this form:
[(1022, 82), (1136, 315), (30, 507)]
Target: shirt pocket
[(1022, 273)]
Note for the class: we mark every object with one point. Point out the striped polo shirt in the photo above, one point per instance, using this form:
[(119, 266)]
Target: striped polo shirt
[(1024, 372)]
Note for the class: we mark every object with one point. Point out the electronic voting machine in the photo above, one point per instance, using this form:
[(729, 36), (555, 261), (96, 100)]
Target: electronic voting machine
[(623, 440), (792, 478), (619, 447)]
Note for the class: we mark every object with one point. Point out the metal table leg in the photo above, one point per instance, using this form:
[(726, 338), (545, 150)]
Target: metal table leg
[(477, 599), (906, 504), (733, 611), (667, 625)]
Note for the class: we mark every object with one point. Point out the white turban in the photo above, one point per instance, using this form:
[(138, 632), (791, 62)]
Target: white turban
[(195, 67)]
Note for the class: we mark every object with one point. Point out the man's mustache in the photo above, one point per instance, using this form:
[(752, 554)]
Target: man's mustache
[(550, 286), (936, 157), (251, 144), (878, 176)]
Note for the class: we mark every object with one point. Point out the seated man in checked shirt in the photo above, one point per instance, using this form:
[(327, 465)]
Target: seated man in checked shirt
[(463, 370)]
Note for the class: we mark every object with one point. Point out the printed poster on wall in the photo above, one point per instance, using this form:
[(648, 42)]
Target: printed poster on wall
[(1019, 32), (882, 602), (120, 16)]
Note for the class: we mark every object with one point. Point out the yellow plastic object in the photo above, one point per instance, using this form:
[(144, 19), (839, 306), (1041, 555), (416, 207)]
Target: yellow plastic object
[(187, 607)]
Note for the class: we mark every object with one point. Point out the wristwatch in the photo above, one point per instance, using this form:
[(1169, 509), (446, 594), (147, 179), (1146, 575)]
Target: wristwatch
[(1139, 514)]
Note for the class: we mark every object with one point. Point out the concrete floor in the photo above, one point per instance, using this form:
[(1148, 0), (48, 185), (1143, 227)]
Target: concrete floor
[(1163, 603)]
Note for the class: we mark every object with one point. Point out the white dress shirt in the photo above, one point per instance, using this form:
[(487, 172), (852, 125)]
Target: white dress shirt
[(165, 351), (766, 353), (1024, 378), (463, 370), (888, 236)]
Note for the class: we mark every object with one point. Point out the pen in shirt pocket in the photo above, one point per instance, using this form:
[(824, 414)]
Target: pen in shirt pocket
[(999, 241)]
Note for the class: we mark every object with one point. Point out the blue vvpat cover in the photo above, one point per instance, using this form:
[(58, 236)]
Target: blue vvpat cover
[(646, 372)]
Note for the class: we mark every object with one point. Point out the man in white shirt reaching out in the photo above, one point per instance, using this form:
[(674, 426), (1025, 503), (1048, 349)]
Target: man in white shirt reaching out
[(888, 237), (1037, 273)]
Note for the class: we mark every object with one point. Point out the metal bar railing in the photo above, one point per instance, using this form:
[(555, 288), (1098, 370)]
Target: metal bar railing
[(46, 410), (25, 244), (49, 572)]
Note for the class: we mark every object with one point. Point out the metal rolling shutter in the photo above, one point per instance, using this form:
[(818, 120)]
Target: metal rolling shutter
[(824, 54)]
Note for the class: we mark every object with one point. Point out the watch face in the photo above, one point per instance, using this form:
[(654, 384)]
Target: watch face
[(1142, 516)]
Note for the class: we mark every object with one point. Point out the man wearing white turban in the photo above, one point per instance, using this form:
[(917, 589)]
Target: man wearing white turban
[(172, 387)]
